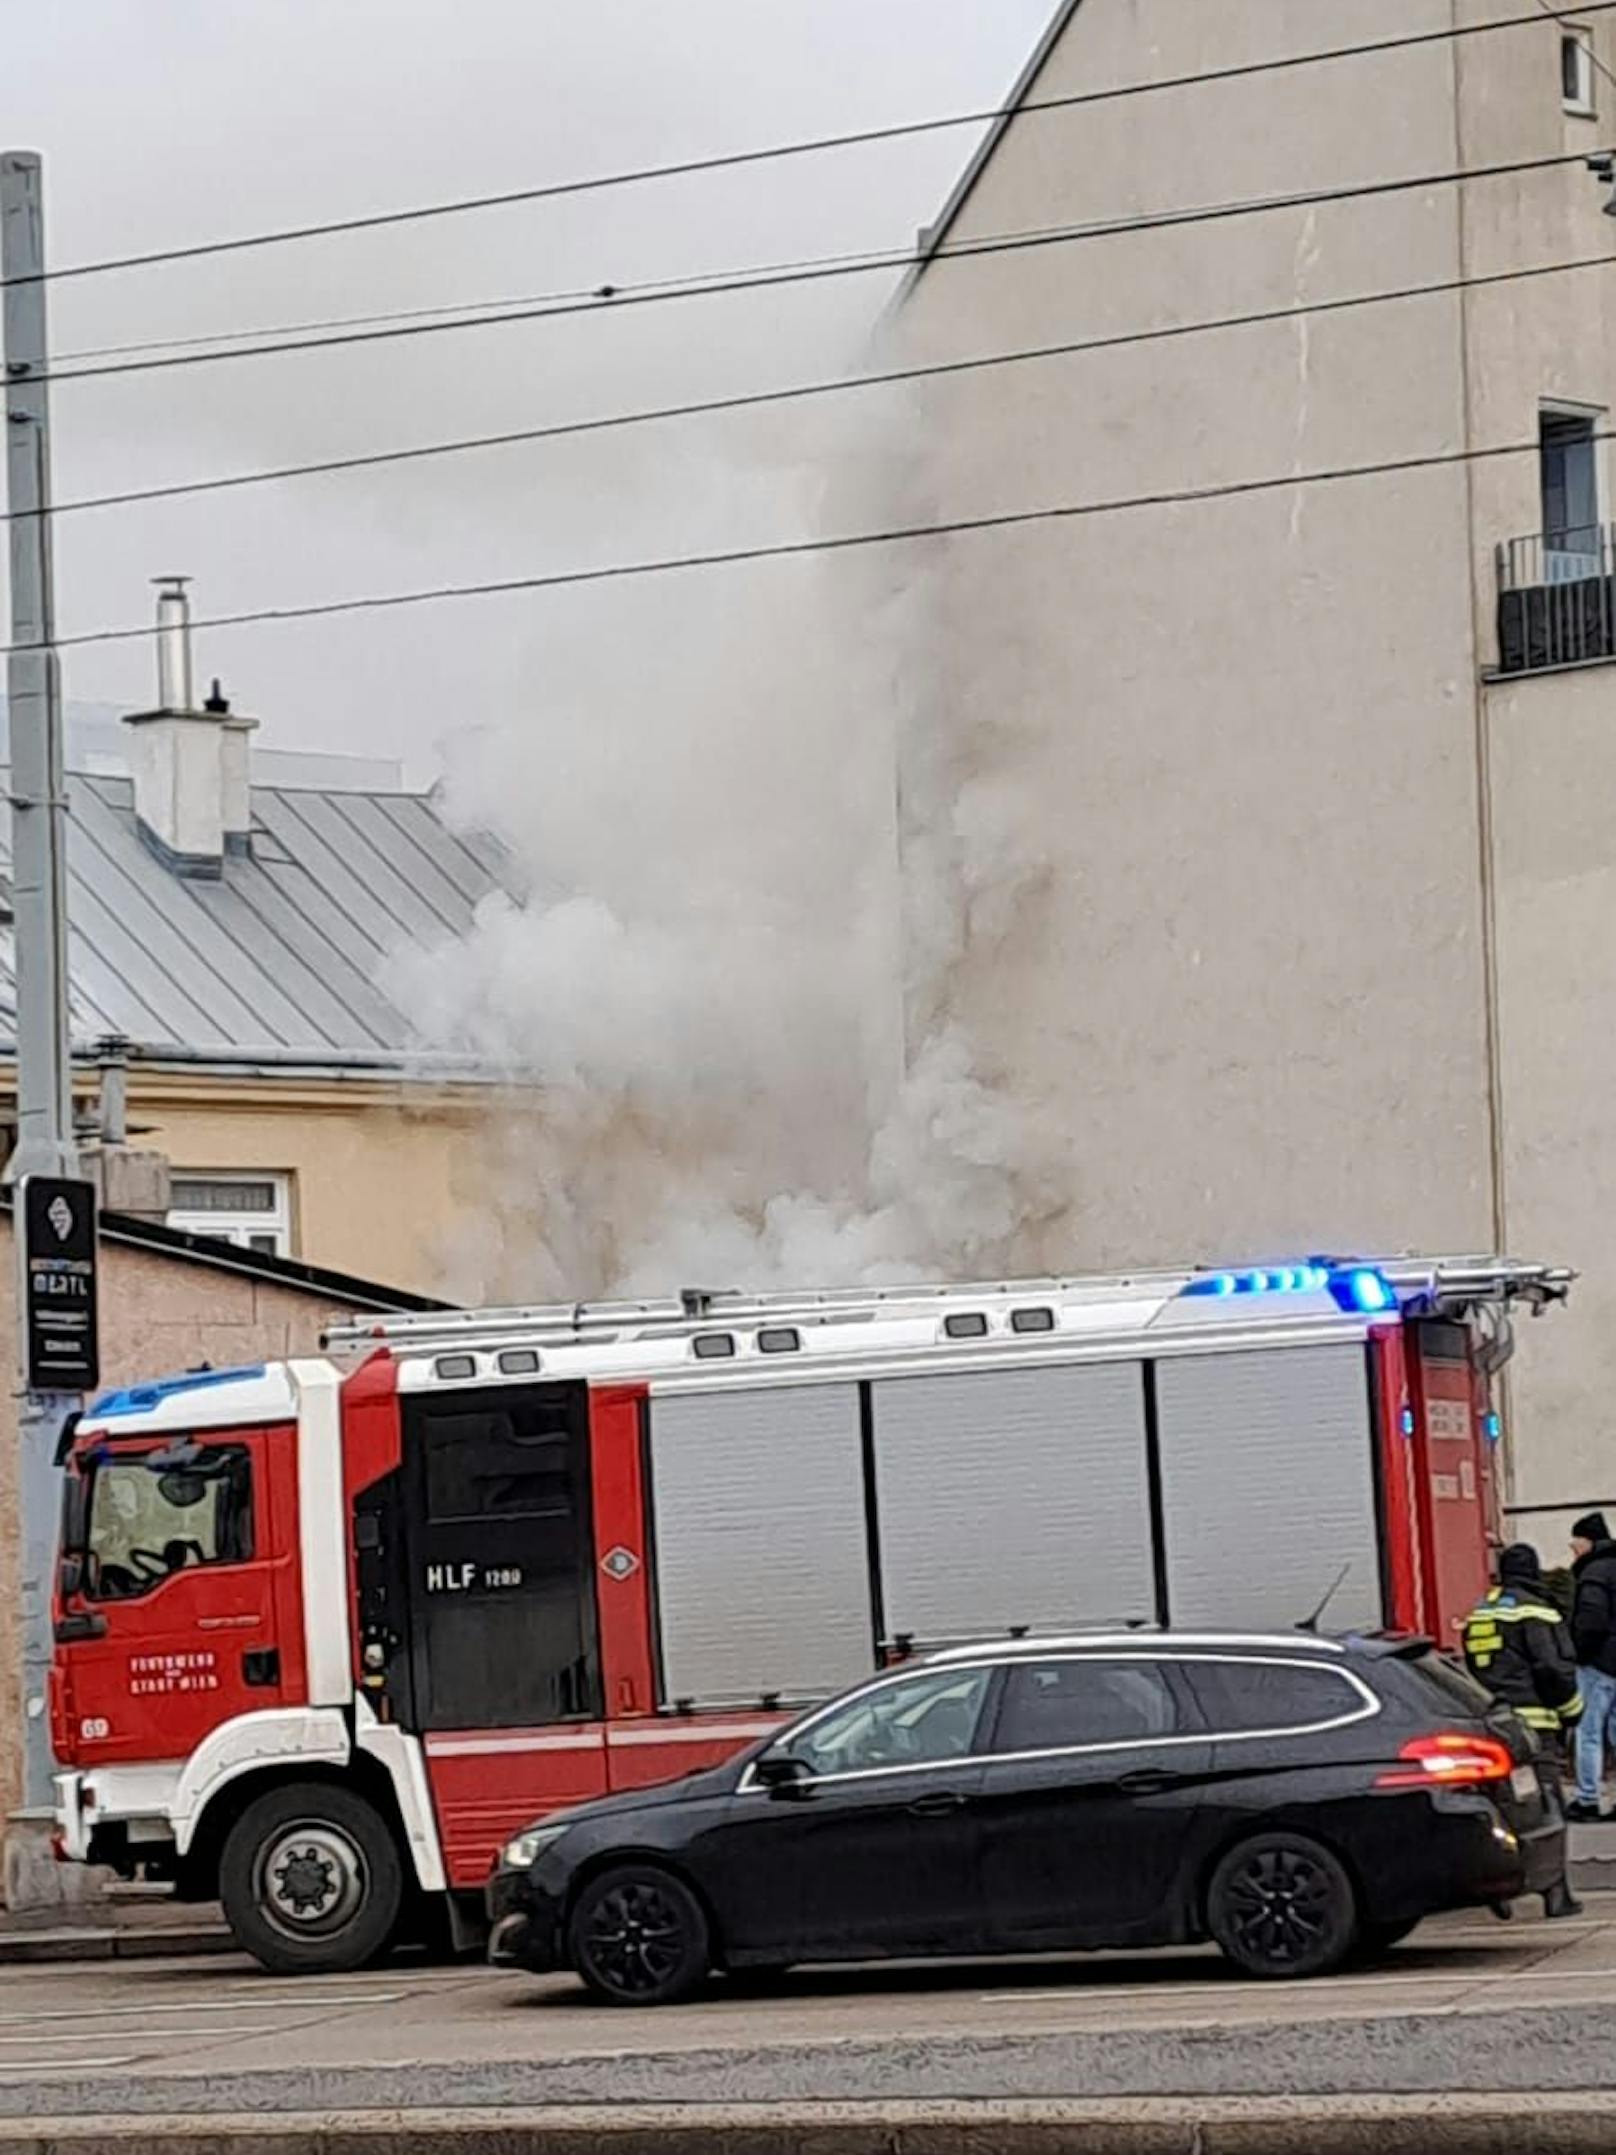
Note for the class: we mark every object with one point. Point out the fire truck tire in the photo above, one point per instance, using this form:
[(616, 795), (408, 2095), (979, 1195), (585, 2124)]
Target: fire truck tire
[(639, 1936), (1281, 1905), (311, 1881)]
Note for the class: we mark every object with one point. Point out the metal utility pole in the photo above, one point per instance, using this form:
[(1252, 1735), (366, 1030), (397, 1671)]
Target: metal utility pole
[(38, 850)]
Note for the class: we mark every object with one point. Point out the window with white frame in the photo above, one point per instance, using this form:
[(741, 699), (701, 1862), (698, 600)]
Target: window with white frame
[(1577, 71), (252, 1210), (1569, 479)]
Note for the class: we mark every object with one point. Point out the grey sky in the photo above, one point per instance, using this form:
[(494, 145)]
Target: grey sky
[(188, 119)]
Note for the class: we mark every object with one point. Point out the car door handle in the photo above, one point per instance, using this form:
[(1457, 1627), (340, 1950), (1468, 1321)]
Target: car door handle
[(937, 1806), (1148, 1781)]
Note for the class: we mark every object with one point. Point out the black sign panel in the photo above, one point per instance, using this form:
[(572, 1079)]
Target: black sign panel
[(58, 1225)]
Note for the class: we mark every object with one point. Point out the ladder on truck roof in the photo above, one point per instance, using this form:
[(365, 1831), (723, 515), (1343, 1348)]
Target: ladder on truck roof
[(1446, 1285)]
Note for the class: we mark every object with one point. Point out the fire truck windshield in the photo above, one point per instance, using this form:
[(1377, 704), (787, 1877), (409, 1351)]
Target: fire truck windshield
[(145, 1521)]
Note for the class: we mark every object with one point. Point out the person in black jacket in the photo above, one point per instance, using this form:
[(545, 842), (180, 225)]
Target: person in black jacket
[(1593, 1633), (1517, 1644)]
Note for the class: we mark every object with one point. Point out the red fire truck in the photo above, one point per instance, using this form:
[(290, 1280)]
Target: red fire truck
[(329, 1631)]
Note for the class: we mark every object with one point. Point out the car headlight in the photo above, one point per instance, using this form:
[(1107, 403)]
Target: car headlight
[(525, 1850)]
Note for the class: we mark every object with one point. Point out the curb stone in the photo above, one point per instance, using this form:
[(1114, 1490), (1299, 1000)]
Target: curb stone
[(1547, 2124), (133, 1943)]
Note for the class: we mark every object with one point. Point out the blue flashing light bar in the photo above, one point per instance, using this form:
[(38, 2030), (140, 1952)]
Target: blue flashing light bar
[(1359, 1289), (1365, 1290), (143, 1398)]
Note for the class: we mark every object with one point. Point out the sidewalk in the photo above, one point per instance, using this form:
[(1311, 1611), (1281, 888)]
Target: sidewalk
[(130, 1924), (1593, 1857)]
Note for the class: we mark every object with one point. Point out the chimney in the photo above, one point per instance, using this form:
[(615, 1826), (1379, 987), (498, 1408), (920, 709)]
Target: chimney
[(235, 770), (173, 644), (190, 765)]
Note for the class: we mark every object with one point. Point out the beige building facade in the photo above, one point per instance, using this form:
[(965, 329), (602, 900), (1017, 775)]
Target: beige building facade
[(1271, 893), (369, 1172)]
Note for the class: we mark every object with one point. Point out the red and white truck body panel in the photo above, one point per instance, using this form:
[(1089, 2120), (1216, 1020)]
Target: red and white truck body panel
[(482, 1565)]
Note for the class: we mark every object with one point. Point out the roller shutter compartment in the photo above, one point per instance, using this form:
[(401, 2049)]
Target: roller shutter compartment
[(762, 1571), (1268, 1486), (1013, 1497)]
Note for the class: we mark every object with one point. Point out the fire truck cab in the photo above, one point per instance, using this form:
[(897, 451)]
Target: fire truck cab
[(328, 1632)]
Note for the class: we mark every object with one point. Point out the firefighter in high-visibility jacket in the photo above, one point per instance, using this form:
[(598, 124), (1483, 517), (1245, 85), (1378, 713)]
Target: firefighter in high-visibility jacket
[(1518, 1644)]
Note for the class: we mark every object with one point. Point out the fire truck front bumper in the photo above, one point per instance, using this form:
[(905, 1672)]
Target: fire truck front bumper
[(72, 1819), (524, 1925), (120, 1816)]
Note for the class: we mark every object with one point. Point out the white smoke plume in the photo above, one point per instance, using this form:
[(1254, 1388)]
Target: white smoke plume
[(727, 1028)]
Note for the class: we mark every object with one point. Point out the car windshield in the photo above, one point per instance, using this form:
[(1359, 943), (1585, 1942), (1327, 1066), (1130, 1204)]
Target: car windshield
[(146, 1521), (917, 1720)]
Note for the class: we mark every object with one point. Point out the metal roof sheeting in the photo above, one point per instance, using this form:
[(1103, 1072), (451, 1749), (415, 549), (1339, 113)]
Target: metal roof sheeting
[(281, 953)]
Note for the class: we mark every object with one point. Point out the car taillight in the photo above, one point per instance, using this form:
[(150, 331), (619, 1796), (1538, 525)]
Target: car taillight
[(1449, 1761)]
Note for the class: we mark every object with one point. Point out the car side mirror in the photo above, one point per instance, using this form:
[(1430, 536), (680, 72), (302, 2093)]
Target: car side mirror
[(782, 1774)]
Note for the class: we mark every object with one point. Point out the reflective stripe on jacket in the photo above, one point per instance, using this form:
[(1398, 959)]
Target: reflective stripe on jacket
[(1520, 1648)]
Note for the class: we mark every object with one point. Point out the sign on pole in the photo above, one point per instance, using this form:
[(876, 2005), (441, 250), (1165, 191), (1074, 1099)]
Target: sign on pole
[(59, 1320)]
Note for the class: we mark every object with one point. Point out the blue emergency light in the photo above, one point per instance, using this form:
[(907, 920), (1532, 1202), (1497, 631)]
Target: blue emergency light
[(1357, 1288)]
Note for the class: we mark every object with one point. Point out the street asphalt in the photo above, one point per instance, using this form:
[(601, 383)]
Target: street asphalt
[(1467, 2004)]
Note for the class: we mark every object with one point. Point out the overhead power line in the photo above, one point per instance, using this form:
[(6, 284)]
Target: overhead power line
[(792, 549), (771, 277), (735, 160), (329, 321), (483, 313), (840, 385)]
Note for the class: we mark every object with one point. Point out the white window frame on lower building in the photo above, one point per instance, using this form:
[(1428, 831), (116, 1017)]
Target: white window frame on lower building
[(1577, 70), (249, 1207)]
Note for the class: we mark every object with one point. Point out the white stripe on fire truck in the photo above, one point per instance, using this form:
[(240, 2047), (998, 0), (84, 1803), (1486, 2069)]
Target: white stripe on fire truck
[(693, 1732), (478, 1746), (696, 1732)]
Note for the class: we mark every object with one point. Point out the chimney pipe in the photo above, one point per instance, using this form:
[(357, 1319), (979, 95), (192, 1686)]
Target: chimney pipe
[(189, 763), (112, 1062), (175, 691)]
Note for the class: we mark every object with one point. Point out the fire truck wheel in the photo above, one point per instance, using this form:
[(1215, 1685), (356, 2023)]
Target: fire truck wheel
[(311, 1881), (639, 1936), (1280, 1905)]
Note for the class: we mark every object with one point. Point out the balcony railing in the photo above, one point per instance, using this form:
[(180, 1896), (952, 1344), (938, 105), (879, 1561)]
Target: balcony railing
[(1557, 599)]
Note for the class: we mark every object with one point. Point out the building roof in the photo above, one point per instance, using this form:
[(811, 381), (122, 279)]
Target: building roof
[(933, 235), (340, 1288), (277, 960), (343, 1288)]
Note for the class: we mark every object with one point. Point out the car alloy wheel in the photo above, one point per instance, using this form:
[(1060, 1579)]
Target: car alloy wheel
[(639, 1937), (1282, 1906)]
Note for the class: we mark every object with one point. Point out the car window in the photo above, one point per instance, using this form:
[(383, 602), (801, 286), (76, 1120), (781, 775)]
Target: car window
[(1460, 1691), (917, 1721), (1058, 1705), (1238, 1696)]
